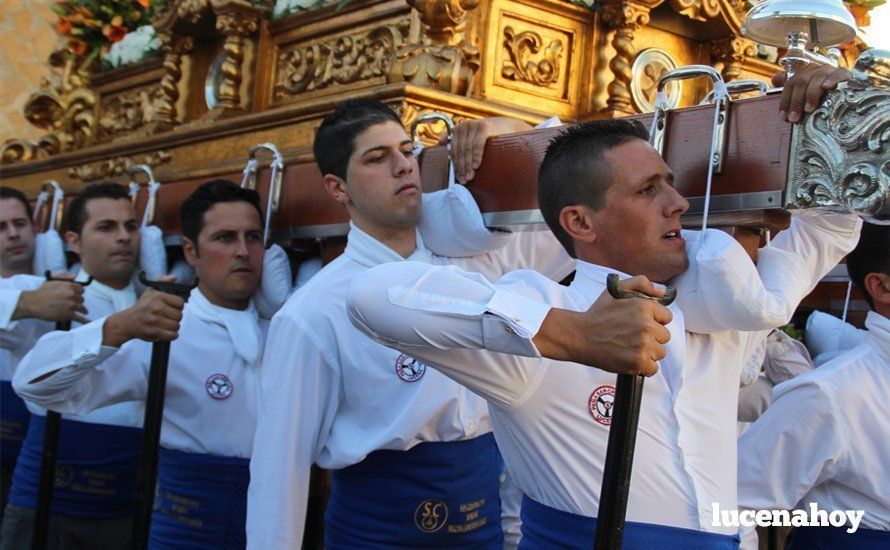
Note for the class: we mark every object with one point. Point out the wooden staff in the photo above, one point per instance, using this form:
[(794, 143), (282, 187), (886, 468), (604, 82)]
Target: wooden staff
[(622, 440), (40, 535), (151, 428)]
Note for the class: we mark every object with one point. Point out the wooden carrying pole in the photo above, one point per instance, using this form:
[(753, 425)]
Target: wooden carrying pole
[(151, 428), (42, 511), (622, 440)]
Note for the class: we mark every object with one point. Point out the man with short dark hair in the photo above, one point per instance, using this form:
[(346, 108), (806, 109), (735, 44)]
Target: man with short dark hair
[(609, 195), (210, 409), (414, 460), (824, 440), (93, 496)]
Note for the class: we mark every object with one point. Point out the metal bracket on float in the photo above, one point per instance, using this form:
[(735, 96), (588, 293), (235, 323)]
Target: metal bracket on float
[(427, 119), (153, 185), (659, 122)]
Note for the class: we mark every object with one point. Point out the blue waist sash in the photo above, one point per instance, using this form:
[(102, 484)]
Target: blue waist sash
[(201, 501), (830, 538), (435, 495), (13, 424), (95, 469), (544, 527)]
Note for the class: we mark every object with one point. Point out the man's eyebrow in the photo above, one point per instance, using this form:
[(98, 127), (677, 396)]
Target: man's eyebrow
[(381, 148)]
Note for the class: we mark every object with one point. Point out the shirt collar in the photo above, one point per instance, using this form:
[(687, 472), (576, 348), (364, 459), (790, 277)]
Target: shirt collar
[(879, 329), (590, 279), (369, 252), (242, 326)]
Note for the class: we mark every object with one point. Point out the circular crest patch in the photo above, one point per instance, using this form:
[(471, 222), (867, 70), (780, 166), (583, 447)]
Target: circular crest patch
[(601, 403), (219, 386), (64, 476), (431, 515), (409, 369)]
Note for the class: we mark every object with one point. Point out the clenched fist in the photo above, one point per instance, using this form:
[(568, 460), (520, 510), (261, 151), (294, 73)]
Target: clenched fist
[(622, 336), (154, 318), (54, 301)]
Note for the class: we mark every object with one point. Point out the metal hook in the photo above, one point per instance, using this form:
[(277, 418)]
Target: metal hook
[(276, 183), (428, 118), (55, 217), (151, 206), (737, 87)]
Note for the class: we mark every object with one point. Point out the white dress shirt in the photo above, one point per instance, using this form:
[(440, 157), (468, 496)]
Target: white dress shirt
[(549, 417), (210, 405), (329, 395), (825, 438), (19, 337)]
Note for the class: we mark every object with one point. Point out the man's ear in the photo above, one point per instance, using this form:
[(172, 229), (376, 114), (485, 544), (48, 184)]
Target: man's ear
[(336, 188), (577, 221), (190, 251), (878, 285), (73, 240)]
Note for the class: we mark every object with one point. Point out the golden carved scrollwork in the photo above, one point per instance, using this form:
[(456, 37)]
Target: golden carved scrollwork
[(342, 60), (730, 54), (66, 109), (520, 47), (117, 166), (124, 113), (443, 60), (625, 17), (165, 114), (698, 10), (429, 134)]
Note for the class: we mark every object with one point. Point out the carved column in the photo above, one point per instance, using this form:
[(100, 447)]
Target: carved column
[(730, 54), (237, 25), (625, 17), (443, 60), (165, 115)]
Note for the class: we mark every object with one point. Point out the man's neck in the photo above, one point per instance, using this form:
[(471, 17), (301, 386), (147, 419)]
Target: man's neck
[(215, 299), (12, 270), (402, 240)]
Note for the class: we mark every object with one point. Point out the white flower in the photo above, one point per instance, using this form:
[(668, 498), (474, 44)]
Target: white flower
[(284, 7), (133, 46)]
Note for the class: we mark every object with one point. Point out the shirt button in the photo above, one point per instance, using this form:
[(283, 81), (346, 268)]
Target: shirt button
[(510, 330), (471, 424)]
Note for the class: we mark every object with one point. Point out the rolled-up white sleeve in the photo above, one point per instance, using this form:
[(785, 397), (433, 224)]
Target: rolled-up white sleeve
[(298, 397), (87, 375), (17, 336), (478, 333)]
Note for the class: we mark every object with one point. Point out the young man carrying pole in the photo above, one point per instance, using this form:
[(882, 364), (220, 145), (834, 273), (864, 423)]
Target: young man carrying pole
[(211, 398)]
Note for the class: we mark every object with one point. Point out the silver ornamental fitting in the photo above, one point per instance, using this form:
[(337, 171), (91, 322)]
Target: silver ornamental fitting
[(841, 152)]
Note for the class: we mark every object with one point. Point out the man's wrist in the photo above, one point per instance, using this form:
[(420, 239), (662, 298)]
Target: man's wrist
[(114, 330), (25, 306), (553, 339)]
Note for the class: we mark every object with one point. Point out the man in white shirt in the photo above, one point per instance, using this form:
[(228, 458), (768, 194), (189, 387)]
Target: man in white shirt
[(53, 301), (98, 453), (210, 408), (607, 195), (825, 440), (415, 462)]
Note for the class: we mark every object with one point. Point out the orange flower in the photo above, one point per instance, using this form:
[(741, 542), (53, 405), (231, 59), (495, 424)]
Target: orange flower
[(117, 21), (63, 26), (114, 33), (144, 3), (77, 46)]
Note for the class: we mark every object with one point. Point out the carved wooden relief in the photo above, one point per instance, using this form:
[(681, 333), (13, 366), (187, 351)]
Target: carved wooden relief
[(117, 166), (339, 60), (529, 59)]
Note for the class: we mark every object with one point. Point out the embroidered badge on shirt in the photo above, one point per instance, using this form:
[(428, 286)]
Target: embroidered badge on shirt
[(600, 405), (409, 369), (219, 386), (431, 515)]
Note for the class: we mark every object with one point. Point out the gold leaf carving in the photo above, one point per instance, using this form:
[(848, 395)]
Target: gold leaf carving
[(698, 10), (520, 47), (342, 60), (126, 112), (117, 166)]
